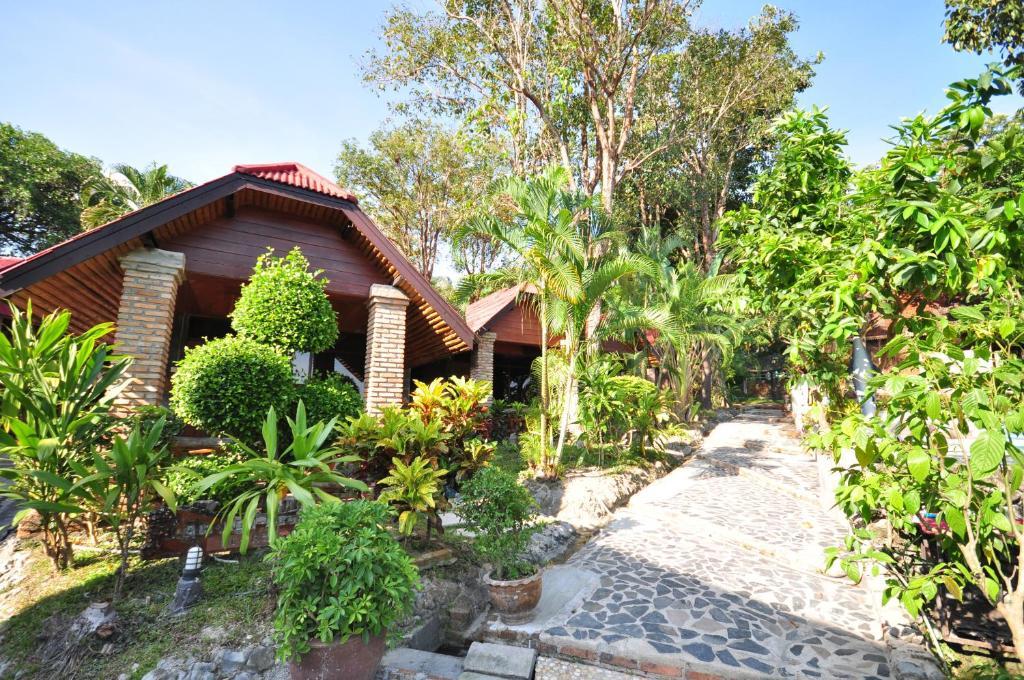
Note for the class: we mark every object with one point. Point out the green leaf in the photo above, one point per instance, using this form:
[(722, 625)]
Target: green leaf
[(933, 405), (919, 463), (955, 519), (987, 453)]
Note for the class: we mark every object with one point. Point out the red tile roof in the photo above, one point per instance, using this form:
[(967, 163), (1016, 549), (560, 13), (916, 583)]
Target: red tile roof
[(296, 175)]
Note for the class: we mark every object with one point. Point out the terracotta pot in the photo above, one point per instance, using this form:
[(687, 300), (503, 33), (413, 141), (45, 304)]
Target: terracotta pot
[(352, 660), (515, 600)]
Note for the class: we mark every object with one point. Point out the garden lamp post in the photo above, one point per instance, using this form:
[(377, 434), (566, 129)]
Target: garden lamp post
[(189, 588)]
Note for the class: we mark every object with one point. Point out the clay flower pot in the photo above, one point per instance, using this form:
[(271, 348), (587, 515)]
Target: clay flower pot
[(353, 659), (515, 600)]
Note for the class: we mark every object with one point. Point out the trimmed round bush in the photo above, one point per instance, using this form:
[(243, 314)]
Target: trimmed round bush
[(227, 385), (330, 396), (284, 305)]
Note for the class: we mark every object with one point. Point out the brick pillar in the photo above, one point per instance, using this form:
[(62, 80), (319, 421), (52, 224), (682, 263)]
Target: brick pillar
[(385, 348), (481, 365), (144, 321)]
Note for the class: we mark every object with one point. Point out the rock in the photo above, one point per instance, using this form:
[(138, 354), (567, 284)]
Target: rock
[(551, 543), (261, 658), (504, 661), (229, 660), (29, 524), (213, 633), (586, 498), (911, 661), (426, 636)]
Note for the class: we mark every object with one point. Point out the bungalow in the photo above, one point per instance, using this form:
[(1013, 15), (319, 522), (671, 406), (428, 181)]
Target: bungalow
[(169, 274), (509, 331)]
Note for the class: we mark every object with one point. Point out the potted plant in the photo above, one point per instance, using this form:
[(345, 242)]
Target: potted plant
[(498, 511), (342, 582)]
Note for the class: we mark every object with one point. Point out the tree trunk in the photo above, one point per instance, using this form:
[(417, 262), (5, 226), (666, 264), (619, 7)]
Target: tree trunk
[(707, 379), (543, 386), (570, 385), (1011, 608)]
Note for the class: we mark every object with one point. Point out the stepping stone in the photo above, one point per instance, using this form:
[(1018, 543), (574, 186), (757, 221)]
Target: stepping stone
[(406, 662), (502, 661), (469, 675)]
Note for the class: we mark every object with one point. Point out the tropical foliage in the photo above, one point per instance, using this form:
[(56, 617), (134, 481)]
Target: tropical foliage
[(126, 189), (120, 484), (414, 490), (927, 246), (304, 467), (55, 410), (339, 574)]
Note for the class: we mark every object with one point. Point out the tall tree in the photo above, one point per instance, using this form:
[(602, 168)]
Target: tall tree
[(418, 181), (720, 96), (40, 190), (981, 25), (555, 81), (126, 189)]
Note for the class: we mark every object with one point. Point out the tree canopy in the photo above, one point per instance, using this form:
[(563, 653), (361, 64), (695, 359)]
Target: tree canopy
[(981, 25), (418, 181), (40, 190)]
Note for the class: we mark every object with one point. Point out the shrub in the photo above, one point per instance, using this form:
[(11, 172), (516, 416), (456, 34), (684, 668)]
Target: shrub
[(497, 511), (184, 476), (415, 491), (330, 396), (284, 305), (122, 484), (338, 574), (303, 468), (226, 386), (55, 399)]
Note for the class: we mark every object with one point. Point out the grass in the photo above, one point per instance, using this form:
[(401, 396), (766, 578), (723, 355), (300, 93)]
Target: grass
[(236, 599)]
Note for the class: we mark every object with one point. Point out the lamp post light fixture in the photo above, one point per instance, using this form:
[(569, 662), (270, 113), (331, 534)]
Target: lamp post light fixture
[(189, 588)]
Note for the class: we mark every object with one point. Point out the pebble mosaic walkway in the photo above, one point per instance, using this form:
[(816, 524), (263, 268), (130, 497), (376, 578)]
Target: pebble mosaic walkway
[(717, 568)]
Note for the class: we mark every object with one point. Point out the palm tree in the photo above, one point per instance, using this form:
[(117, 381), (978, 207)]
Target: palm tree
[(126, 189), (679, 317), (564, 247), (575, 315), (545, 238)]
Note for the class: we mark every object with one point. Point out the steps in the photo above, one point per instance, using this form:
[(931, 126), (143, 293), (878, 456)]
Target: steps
[(483, 661)]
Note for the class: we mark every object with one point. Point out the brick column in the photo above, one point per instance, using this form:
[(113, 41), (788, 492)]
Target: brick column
[(144, 321), (481, 365), (385, 348)]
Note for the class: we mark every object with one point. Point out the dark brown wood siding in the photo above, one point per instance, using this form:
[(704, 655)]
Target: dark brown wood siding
[(227, 247), (518, 325)]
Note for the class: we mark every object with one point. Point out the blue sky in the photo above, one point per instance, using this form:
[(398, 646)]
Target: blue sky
[(204, 85)]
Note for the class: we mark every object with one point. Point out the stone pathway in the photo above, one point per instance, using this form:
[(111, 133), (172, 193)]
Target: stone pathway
[(717, 569)]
